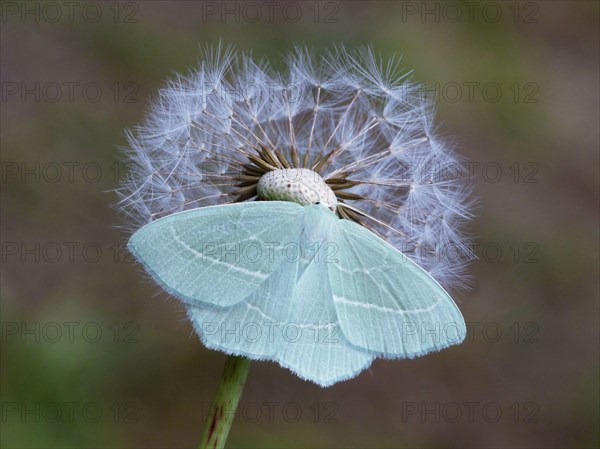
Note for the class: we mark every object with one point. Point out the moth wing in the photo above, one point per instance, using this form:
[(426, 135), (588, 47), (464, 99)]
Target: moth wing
[(385, 302), (313, 345), (219, 254)]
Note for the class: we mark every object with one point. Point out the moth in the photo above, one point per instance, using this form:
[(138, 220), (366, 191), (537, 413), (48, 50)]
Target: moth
[(287, 279)]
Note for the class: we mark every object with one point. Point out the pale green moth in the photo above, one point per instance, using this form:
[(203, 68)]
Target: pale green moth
[(290, 281)]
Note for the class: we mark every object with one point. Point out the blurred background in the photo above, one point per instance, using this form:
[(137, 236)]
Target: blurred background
[(93, 356)]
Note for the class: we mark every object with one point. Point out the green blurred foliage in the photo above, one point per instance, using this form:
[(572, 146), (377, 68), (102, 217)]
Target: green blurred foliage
[(148, 373)]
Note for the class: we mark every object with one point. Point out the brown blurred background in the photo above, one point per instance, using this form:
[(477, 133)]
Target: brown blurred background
[(93, 357)]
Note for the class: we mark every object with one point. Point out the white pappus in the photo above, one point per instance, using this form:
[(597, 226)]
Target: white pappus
[(365, 128)]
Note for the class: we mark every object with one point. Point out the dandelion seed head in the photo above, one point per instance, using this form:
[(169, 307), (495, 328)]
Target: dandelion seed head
[(362, 126)]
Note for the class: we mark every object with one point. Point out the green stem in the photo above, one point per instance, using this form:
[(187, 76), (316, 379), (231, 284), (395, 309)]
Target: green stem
[(226, 402)]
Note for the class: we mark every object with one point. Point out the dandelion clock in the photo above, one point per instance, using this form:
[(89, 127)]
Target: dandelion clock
[(310, 217)]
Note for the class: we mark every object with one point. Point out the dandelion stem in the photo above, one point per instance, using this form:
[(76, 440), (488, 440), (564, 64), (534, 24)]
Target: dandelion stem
[(226, 402)]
